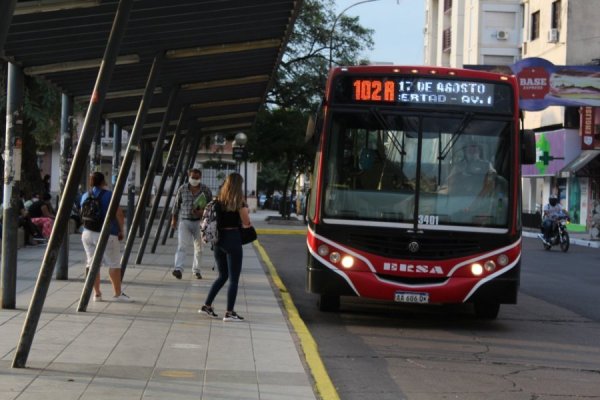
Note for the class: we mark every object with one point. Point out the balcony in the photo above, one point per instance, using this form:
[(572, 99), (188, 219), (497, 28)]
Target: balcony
[(446, 40), (447, 5)]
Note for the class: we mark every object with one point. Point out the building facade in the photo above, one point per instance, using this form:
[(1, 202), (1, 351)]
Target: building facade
[(563, 32)]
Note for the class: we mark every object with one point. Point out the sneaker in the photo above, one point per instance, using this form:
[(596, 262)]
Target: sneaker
[(177, 273), (97, 298), (122, 298), (208, 310), (198, 275), (232, 317)]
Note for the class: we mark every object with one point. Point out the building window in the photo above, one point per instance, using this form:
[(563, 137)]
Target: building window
[(447, 5), (535, 26), (556, 8), (447, 39)]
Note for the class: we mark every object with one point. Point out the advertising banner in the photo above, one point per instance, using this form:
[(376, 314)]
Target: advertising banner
[(543, 84), (588, 128)]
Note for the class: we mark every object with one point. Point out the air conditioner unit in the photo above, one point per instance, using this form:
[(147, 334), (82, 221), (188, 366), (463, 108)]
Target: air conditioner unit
[(553, 36), (502, 35)]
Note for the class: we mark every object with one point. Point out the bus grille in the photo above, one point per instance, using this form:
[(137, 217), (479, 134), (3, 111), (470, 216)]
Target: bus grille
[(413, 281), (432, 248)]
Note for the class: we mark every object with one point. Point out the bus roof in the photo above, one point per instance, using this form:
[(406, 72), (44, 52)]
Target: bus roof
[(419, 70)]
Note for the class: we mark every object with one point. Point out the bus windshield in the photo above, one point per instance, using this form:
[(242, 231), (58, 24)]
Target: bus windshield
[(429, 171)]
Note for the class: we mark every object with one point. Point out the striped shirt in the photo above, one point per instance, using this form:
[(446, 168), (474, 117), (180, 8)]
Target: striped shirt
[(184, 200)]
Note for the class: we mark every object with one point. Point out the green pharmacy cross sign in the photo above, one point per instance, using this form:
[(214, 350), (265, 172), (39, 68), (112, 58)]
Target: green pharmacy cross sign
[(543, 149)]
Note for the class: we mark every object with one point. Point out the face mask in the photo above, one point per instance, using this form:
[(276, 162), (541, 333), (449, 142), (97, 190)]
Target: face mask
[(194, 182)]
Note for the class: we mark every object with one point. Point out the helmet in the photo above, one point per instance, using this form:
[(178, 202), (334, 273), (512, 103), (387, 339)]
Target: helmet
[(553, 200)]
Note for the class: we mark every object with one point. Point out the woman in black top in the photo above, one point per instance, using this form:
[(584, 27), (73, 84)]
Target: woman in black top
[(233, 214)]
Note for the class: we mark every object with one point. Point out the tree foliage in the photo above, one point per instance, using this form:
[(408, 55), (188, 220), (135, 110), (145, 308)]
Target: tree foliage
[(302, 73), (278, 138)]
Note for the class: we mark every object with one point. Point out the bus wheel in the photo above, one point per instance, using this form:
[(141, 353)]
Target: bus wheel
[(485, 310), (329, 303)]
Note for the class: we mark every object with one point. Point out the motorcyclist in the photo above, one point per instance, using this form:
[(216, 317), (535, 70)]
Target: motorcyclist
[(552, 211)]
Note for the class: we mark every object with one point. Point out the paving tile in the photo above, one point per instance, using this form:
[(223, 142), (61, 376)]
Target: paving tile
[(158, 347)]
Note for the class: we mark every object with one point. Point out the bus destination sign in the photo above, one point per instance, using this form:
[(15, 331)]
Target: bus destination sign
[(421, 90)]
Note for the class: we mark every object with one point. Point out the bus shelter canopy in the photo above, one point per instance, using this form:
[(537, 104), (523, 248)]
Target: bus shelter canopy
[(222, 54)]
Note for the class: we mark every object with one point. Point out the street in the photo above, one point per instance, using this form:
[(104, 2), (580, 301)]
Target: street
[(546, 346)]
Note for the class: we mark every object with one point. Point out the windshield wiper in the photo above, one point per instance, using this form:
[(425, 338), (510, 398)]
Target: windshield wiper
[(377, 114), (455, 135)]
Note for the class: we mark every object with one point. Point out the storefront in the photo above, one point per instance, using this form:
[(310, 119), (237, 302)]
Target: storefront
[(568, 166)]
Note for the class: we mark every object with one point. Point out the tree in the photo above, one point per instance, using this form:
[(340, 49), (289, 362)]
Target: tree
[(301, 76), (41, 124), (278, 137)]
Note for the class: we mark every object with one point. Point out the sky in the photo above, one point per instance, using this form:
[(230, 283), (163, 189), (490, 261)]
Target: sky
[(398, 26)]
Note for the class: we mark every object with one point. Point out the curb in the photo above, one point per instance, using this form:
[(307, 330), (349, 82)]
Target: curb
[(578, 242)]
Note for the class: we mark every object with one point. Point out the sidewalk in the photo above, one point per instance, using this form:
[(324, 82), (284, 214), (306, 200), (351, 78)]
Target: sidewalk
[(158, 347)]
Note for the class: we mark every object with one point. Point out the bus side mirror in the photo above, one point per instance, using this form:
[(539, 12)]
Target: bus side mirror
[(528, 153), (310, 129)]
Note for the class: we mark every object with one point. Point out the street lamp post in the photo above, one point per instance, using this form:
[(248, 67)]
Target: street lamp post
[(334, 24), (240, 141)]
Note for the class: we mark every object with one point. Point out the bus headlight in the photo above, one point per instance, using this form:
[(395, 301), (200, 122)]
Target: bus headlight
[(489, 265), (476, 269), (335, 257), (323, 250), (347, 262), (502, 260)]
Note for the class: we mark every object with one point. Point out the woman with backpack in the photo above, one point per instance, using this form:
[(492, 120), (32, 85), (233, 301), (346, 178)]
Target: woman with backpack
[(94, 207), (232, 214)]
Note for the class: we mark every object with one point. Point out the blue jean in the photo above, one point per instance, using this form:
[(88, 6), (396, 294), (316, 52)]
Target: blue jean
[(548, 228), (228, 256)]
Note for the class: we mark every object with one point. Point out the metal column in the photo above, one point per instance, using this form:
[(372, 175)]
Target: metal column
[(6, 13), (116, 160), (147, 186), (90, 126), (121, 180), (174, 143), (12, 176), (174, 176), (96, 158), (66, 157)]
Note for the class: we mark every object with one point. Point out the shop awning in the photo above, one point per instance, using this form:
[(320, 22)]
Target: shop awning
[(580, 161)]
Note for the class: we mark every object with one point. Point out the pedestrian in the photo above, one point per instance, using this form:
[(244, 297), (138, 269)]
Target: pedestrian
[(46, 183), (33, 234), (42, 214), (89, 238), (233, 214), (190, 200)]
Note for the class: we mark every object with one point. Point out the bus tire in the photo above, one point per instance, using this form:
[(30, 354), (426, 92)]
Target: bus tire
[(328, 303), (485, 310)]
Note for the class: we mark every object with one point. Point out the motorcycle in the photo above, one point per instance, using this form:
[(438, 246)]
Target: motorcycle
[(560, 235)]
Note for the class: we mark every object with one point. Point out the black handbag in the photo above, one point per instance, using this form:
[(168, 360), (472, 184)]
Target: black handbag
[(248, 235)]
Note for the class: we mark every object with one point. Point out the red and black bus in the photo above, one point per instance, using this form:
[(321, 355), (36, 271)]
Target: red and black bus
[(415, 193)]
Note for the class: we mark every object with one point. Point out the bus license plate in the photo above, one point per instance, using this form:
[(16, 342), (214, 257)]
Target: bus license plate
[(411, 297)]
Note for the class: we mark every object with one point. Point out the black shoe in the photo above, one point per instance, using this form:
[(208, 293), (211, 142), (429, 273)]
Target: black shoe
[(232, 317), (177, 273), (208, 310), (198, 275)]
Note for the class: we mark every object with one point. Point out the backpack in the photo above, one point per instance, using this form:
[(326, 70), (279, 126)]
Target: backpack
[(91, 212), (209, 231)]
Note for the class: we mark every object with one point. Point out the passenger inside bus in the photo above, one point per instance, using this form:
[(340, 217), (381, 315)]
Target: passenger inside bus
[(483, 190)]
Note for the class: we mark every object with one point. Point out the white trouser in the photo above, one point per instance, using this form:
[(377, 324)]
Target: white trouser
[(188, 232)]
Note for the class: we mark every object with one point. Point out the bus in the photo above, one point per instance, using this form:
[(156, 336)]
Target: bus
[(415, 192)]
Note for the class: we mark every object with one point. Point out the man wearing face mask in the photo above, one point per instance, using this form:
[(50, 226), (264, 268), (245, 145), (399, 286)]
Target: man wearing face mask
[(190, 200)]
